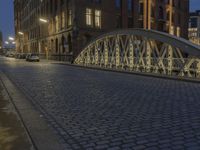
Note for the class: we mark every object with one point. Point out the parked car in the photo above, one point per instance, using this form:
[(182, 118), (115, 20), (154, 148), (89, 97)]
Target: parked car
[(32, 58), (16, 55), (10, 54), (22, 56)]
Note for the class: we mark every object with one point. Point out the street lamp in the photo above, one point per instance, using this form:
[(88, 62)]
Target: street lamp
[(20, 33), (43, 20), (7, 44), (11, 38)]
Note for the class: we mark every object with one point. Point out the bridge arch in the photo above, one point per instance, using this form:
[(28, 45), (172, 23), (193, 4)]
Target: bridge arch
[(143, 51)]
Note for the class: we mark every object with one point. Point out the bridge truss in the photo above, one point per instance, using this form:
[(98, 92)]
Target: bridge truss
[(143, 51)]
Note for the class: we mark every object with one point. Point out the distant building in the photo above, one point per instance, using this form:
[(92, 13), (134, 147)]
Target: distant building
[(194, 27), (70, 24), (1, 40)]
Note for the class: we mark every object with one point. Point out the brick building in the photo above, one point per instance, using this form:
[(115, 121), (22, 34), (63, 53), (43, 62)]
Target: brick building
[(194, 27), (67, 25), (1, 40)]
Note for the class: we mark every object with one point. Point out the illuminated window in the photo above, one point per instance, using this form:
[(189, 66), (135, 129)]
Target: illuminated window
[(98, 18), (63, 19), (172, 30), (57, 23), (89, 17), (69, 17), (178, 30)]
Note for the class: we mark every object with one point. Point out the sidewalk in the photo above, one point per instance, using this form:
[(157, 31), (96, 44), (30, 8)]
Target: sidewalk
[(12, 133), (22, 127)]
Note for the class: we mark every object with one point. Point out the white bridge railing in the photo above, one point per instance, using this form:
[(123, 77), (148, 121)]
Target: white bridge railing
[(141, 54)]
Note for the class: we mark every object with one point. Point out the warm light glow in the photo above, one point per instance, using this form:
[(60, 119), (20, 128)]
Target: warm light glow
[(88, 16), (98, 18), (43, 20), (11, 38), (21, 33), (13, 43)]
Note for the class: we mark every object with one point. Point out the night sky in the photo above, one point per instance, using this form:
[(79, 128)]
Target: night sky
[(7, 15)]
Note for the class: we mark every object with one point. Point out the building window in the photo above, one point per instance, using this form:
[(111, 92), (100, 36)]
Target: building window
[(161, 13), (89, 17), (61, 3), (51, 6), (118, 3), (141, 8), (69, 17), (57, 23), (130, 22), (130, 5), (172, 30), (118, 21), (63, 19), (98, 18), (55, 6), (97, 1), (178, 31), (63, 44)]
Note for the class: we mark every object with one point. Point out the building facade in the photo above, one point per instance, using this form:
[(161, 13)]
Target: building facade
[(1, 40), (66, 26), (194, 27)]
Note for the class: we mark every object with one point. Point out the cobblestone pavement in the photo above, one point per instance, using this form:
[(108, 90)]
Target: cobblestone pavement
[(93, 109)]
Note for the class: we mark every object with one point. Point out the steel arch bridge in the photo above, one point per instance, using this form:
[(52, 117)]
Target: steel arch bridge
[(143, 50)]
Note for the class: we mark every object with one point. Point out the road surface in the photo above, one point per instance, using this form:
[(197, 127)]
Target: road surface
[(92, 109)]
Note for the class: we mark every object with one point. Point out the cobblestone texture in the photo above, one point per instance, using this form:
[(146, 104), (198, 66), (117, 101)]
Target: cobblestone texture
[(93, 109)]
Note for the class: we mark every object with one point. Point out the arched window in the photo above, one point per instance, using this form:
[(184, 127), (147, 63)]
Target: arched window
[(56, 45), (161, 14), (69, 41), (63, 44)]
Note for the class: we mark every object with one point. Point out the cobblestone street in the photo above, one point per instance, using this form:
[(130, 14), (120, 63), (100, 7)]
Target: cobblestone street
[(91, 109)]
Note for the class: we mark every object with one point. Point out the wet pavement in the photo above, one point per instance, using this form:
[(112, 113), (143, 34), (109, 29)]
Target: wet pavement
[(12, 133)]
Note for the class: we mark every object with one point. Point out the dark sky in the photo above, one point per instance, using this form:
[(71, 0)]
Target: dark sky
[(7, 23)]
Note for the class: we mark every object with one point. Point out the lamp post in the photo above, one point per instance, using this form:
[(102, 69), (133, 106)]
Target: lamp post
[(21, 35), (12, 41), (44, 21)]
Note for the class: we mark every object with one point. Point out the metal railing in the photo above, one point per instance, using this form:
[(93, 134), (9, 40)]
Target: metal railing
[(138, 52)]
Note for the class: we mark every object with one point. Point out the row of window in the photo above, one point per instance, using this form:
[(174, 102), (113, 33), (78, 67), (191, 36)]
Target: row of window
[(93, 18)]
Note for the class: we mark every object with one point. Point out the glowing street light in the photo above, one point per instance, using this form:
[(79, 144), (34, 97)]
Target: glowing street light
[(13, 42), (11, 38), (21, 33), (43, 20), (6, 42)]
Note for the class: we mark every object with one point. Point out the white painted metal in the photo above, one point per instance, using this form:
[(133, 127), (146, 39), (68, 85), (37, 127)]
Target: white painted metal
[(137, 50)]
